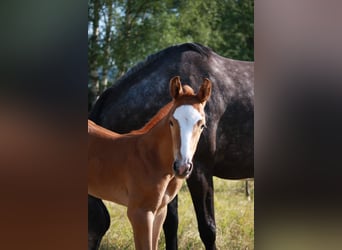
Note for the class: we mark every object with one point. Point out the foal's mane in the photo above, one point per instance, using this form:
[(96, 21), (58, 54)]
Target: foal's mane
[(187, 92), (155, 119)]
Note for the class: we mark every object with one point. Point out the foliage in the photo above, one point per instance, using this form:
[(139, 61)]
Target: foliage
[(121, 33), (236, 30)]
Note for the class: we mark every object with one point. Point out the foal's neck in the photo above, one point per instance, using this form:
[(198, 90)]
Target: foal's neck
[(158, 146)]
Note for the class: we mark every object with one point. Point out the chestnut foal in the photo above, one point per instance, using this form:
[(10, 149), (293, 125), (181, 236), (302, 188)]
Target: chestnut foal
[(145, 168)]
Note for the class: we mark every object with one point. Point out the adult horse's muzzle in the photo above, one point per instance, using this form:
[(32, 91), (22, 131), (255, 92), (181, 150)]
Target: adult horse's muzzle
[(182, 169)]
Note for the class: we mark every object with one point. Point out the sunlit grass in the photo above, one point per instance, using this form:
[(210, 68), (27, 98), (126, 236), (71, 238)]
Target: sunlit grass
[(234, 218)]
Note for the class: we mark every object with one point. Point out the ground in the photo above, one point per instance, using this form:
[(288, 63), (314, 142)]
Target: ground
[(234, 219)]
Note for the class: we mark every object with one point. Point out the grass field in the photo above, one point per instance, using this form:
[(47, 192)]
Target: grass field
[(234, 220)]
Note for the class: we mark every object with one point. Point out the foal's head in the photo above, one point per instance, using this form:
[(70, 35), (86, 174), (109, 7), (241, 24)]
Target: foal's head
[(187, 120)]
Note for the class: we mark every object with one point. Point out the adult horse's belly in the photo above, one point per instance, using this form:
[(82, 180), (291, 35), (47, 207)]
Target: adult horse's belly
[(240, 169)]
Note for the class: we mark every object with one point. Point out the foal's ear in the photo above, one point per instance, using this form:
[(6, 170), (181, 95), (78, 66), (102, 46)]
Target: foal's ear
[(176, 87), (205, 91)]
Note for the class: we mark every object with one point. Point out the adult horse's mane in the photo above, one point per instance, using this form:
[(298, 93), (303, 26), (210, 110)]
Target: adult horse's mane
[(128, 79), (134, 71)]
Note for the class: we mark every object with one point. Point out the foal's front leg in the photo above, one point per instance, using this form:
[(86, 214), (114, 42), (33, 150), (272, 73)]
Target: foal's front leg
[(157, 225), (142, 223)]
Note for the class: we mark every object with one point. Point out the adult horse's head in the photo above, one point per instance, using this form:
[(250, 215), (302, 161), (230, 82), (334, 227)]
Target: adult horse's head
[(187, 120)]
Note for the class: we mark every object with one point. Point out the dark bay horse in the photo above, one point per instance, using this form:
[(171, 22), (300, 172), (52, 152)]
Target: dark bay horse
[(144, 169), (225, 149)]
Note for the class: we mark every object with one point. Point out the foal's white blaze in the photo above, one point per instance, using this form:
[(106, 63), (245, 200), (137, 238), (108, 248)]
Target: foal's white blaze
[(187, 116)]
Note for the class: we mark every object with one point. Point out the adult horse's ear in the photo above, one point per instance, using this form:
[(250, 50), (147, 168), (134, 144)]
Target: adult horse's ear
[(175, 87), (205, 91)]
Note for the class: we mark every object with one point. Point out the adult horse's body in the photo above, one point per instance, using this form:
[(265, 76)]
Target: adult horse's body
[(226, 146), (144, 169)]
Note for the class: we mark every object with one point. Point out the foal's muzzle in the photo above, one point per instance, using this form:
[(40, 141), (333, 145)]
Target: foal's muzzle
[(182, 169)]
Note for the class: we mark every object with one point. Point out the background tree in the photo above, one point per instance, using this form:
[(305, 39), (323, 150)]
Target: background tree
[(235, 38), (123, 32)]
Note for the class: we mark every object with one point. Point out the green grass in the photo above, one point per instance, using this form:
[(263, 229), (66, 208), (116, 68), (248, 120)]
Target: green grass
[(234, 220)]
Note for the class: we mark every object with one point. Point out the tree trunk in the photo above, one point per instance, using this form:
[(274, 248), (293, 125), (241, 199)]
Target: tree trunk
[(107, 48), (94, 53)]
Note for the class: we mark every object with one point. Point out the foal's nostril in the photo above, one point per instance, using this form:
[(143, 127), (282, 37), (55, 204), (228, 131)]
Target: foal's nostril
[(190, 165), (175, 166)]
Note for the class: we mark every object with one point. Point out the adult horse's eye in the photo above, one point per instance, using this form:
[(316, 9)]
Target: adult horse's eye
[(171, 123)]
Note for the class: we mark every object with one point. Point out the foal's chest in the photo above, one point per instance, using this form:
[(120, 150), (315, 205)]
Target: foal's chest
[(171, 191)]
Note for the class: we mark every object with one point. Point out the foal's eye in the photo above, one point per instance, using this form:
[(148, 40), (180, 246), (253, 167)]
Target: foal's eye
[(171, 123), (202, 126)]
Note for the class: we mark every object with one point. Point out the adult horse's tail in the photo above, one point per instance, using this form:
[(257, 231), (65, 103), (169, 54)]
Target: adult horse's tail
[(98, 222)]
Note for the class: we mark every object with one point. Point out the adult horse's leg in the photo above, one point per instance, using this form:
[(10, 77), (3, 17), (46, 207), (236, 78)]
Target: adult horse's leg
[(200, 185), (98, 222), (171, 225)]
